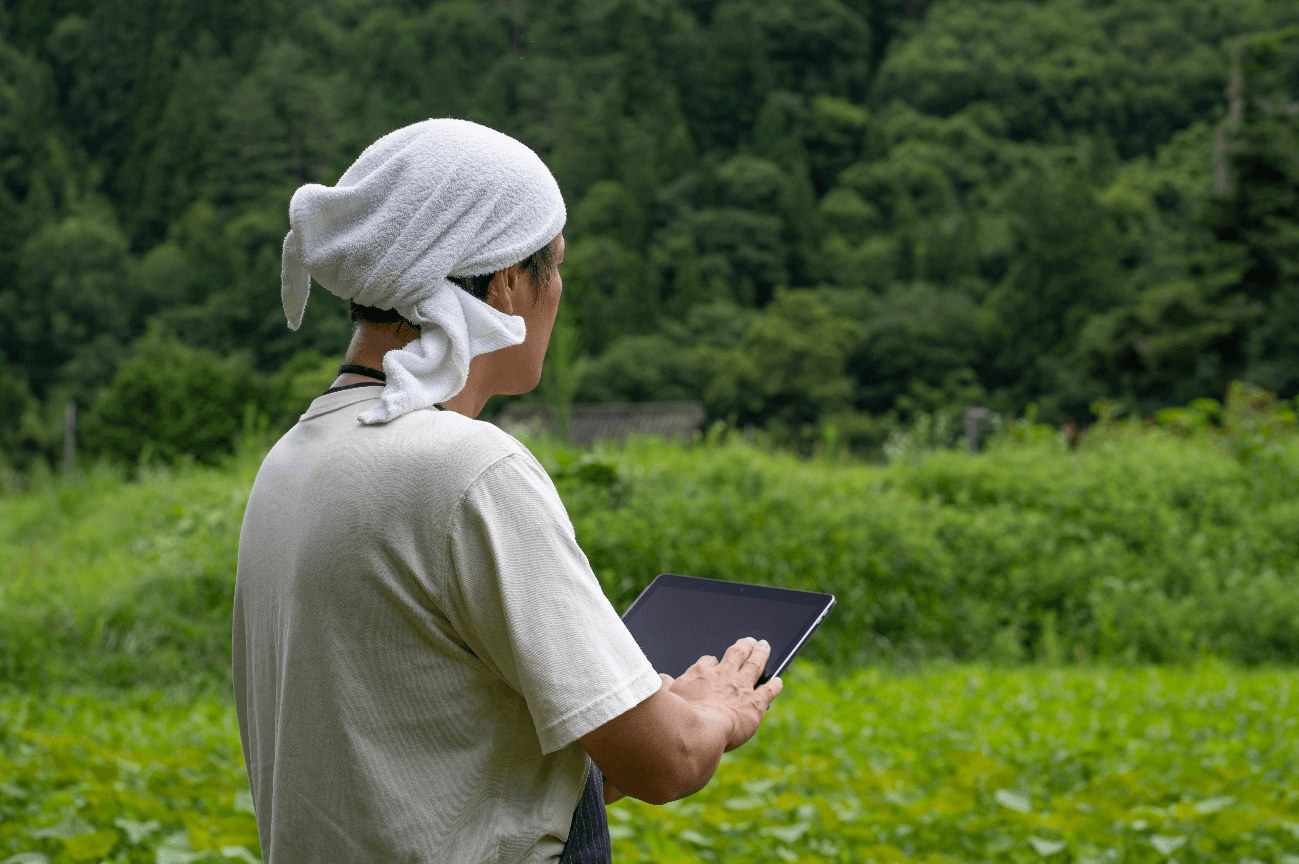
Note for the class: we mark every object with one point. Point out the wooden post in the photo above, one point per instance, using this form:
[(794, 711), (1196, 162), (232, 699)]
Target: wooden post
[(973, 417), (1235, 114), (69, 436)]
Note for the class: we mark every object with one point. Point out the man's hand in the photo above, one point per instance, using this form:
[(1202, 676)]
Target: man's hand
[(725, 688), (669, 746)]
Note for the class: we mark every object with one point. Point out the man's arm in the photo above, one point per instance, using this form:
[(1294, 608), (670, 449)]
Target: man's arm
[(669, 746)]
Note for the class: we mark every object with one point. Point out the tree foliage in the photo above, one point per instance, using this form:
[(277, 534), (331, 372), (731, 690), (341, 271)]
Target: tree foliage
[(1026, 196)]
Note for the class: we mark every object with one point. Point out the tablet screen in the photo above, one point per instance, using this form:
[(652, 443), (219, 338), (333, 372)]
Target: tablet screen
[(679, 619)]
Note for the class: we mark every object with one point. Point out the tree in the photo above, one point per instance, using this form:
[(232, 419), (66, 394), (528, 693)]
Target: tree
[(1064, 270), (913, 334), (1227, 309), (73, 305), (1136, 69), (1256, 223), (791, 369), (170, 401)]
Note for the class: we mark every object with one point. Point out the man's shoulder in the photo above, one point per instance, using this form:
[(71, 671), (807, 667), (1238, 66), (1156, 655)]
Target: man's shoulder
[(470, 446), (458, 431)]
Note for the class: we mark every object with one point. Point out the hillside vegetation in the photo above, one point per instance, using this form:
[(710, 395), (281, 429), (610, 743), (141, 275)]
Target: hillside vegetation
[(831, 212)]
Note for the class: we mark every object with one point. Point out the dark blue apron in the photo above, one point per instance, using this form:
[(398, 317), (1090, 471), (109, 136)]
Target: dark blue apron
[(588, 839)]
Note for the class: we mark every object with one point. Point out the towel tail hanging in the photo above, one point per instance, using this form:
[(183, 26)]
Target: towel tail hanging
[(295, 281)]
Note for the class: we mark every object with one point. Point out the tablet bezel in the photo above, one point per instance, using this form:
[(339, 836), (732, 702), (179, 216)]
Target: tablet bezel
[(812, 599)]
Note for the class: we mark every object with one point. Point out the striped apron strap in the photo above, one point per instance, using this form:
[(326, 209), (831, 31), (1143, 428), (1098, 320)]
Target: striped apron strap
[(588, 838)]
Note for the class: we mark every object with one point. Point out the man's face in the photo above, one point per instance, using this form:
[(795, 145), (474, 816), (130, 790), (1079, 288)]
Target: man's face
[(518, 369)]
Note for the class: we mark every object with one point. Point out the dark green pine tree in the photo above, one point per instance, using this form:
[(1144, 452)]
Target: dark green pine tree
[(1256, 223)]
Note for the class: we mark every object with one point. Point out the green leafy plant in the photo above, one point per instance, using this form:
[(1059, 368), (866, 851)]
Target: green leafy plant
[(950, 763)]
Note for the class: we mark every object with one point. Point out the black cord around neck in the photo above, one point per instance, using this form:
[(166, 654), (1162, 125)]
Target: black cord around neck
[(357, 369)]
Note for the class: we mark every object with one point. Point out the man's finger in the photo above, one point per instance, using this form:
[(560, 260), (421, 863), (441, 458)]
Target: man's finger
[(739, 652), (757, 660)]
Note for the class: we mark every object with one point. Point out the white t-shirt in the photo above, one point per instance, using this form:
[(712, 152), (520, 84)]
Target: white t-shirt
[(418, 644)]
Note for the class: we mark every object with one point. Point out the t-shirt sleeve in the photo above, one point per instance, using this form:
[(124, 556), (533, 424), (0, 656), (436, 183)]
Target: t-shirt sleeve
[(526, 603)]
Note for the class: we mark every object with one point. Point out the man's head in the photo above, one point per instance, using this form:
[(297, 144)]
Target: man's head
[(530, 289), (438, 197), (539, 268)]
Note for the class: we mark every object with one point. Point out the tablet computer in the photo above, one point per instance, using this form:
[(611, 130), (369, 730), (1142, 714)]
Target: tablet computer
[(678, 619)]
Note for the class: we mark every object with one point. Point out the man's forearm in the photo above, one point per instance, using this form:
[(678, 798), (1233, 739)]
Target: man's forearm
[(708, 735), (672, 748)]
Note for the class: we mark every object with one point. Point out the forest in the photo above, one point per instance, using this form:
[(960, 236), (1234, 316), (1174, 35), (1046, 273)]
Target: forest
[(832, 215)]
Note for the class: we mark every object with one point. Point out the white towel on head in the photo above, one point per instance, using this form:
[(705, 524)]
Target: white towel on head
[(436, 199)]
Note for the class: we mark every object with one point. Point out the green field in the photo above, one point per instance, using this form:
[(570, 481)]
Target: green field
[(1038, 654), (951, 763)]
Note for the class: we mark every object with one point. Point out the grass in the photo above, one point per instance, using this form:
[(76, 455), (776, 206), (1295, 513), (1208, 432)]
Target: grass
[(951, 763), (78, 542), (103, 580)]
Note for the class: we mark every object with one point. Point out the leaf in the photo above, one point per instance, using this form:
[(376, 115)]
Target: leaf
[(67, 827), (757, 787), (1012, 800), (13, 790), (1046, 847), (26, 858), (244, 801), (176, 850), (787, 833), (1166, 845), (240, 852), (199, 830), (882, 854), (136, 831), (89, 847), (744, 802), (104, 772), (1213, 805), (695, 837), (172, 855)]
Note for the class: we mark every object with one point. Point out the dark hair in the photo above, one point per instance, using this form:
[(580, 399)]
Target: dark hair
[(537, 265)]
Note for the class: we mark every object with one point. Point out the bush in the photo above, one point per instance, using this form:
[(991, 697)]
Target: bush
[(291, 390), (1139, 546), (1144, 548), (170, 402)]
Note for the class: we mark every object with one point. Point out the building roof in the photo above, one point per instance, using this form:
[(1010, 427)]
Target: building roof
[(613, 421)]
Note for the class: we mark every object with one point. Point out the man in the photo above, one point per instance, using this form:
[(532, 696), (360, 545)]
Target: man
[(425, 667)]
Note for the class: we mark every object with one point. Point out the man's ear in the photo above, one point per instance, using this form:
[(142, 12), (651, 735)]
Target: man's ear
[(503, 290)]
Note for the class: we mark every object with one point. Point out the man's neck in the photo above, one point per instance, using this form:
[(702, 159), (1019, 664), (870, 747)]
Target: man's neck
[(371, 342)]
